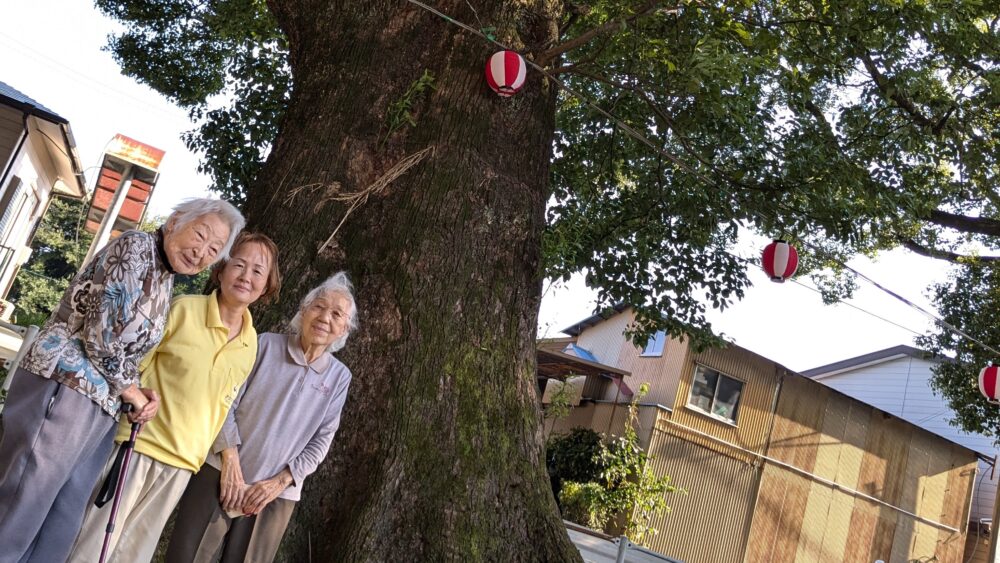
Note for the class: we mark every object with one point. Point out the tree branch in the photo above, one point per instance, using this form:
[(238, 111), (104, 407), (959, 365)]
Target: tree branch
[(939, 254), (965, 224), (551, 53), (888, 91)]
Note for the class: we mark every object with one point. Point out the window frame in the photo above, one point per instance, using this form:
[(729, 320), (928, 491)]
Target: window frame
[(651, 350), (715, 394)]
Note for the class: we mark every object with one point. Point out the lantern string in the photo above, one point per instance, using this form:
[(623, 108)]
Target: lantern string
[(629, 130), (756, 263), (940, 322)]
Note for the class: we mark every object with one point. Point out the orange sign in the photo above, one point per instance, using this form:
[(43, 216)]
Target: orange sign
[(135, 152)]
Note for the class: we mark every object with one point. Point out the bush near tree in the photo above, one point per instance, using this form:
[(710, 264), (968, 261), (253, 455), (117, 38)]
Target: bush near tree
[(606, 483)]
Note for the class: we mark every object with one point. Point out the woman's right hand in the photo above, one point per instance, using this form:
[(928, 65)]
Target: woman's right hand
[(231, 484)]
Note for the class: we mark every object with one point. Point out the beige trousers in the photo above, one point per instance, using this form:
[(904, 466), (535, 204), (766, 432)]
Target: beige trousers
[(151, 491)]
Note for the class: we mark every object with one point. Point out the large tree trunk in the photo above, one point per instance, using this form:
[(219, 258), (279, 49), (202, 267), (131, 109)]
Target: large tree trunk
[(440, 454)]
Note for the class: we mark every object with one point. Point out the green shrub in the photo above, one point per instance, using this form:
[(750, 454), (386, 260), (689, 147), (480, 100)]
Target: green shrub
[(573, 456), (585, 503), (608, 486)]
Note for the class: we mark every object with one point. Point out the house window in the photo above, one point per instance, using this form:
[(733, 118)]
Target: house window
[(654, 347), (715, 393)]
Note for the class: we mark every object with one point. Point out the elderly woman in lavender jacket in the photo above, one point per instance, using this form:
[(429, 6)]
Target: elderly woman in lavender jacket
[(278, 431)]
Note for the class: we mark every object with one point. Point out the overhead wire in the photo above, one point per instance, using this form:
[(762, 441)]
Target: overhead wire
[(27, 50)]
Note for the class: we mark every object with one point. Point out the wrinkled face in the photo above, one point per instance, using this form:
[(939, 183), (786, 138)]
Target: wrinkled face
[(244, 278), (195, 246), (325, 320)]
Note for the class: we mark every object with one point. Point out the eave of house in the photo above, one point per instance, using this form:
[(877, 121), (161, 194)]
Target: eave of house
[(52, 132), (576, 329), (871, 359), (553, 363)]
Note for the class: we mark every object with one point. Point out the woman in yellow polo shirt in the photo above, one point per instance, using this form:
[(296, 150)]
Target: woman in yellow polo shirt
[(208, 349)]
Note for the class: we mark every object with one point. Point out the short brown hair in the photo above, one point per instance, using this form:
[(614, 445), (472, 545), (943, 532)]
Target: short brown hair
[(273, 286)]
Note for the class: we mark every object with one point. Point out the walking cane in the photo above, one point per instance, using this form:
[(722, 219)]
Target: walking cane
[(116, 479)]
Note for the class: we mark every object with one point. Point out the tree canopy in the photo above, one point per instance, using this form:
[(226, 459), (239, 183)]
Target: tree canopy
[(856, 126), (850, 127)]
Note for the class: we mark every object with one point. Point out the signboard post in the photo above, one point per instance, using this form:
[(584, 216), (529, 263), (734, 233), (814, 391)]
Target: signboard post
[(128, 174)]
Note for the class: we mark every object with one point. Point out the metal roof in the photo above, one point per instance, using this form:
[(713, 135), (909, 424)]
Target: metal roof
[(873, 357), (13, 97), (575, 350), (552, 363), (592, 320)]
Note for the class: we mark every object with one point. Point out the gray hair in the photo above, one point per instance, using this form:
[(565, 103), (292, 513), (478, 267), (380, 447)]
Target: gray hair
[(337, 283), (190, 209)]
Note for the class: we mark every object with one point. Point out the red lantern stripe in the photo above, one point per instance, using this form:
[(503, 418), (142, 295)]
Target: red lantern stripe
[(988, 382), (514, 70)]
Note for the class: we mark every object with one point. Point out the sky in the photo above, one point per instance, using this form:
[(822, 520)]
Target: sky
[(55, 55)]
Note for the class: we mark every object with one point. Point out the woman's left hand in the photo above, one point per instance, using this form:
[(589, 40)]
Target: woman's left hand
[(261, 493), (148, 411)]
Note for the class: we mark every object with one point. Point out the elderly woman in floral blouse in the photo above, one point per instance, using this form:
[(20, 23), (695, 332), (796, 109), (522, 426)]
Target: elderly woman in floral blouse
[(59, 420)]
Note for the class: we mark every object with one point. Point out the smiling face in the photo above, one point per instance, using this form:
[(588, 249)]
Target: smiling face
[(195, 246), (325, 320), (244, 278)]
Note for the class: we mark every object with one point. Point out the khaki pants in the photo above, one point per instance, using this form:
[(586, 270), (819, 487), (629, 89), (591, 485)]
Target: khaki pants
[(151, 491), (203, 533)]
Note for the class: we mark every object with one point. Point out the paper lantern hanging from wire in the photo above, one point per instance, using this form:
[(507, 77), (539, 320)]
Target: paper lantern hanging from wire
[(988, 383), (780, 261), (505, 72)]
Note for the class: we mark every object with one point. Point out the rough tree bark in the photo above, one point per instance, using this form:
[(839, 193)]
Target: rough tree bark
[(440, 454)]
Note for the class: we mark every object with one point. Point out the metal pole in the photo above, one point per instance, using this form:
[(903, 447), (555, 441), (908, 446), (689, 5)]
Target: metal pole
[(993, 528), (28, 336), (111, 215), (623, 545)]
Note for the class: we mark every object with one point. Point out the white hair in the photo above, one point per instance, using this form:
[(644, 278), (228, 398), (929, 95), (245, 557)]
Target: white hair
[(337, 283), (190, 209)]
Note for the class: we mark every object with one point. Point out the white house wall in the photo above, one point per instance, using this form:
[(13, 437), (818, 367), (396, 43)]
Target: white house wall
[(902, 387), (35, 171), (11, 128)]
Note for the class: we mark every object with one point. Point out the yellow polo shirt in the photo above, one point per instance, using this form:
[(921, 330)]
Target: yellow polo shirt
[(197, 371)]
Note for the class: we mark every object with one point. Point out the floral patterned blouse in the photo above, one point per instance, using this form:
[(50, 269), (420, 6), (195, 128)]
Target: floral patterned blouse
[(112, 313)]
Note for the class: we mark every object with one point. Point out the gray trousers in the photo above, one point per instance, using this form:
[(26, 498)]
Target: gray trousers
[(55, 442), (203, 533)]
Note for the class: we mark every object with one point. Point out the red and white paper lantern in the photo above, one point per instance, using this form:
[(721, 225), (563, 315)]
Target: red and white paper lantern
[(780, 261), (505, 72), (988, 382)]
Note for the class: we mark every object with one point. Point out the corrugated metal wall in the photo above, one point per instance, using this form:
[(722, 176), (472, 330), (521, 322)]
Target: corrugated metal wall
[(821, 431), (753, 419), (708, 524), (606, 418)]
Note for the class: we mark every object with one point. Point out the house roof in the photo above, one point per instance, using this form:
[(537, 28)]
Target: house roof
[(603, 315), (574, 350), (877, 357), (51, 131), (12, 97), (552, 363)]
